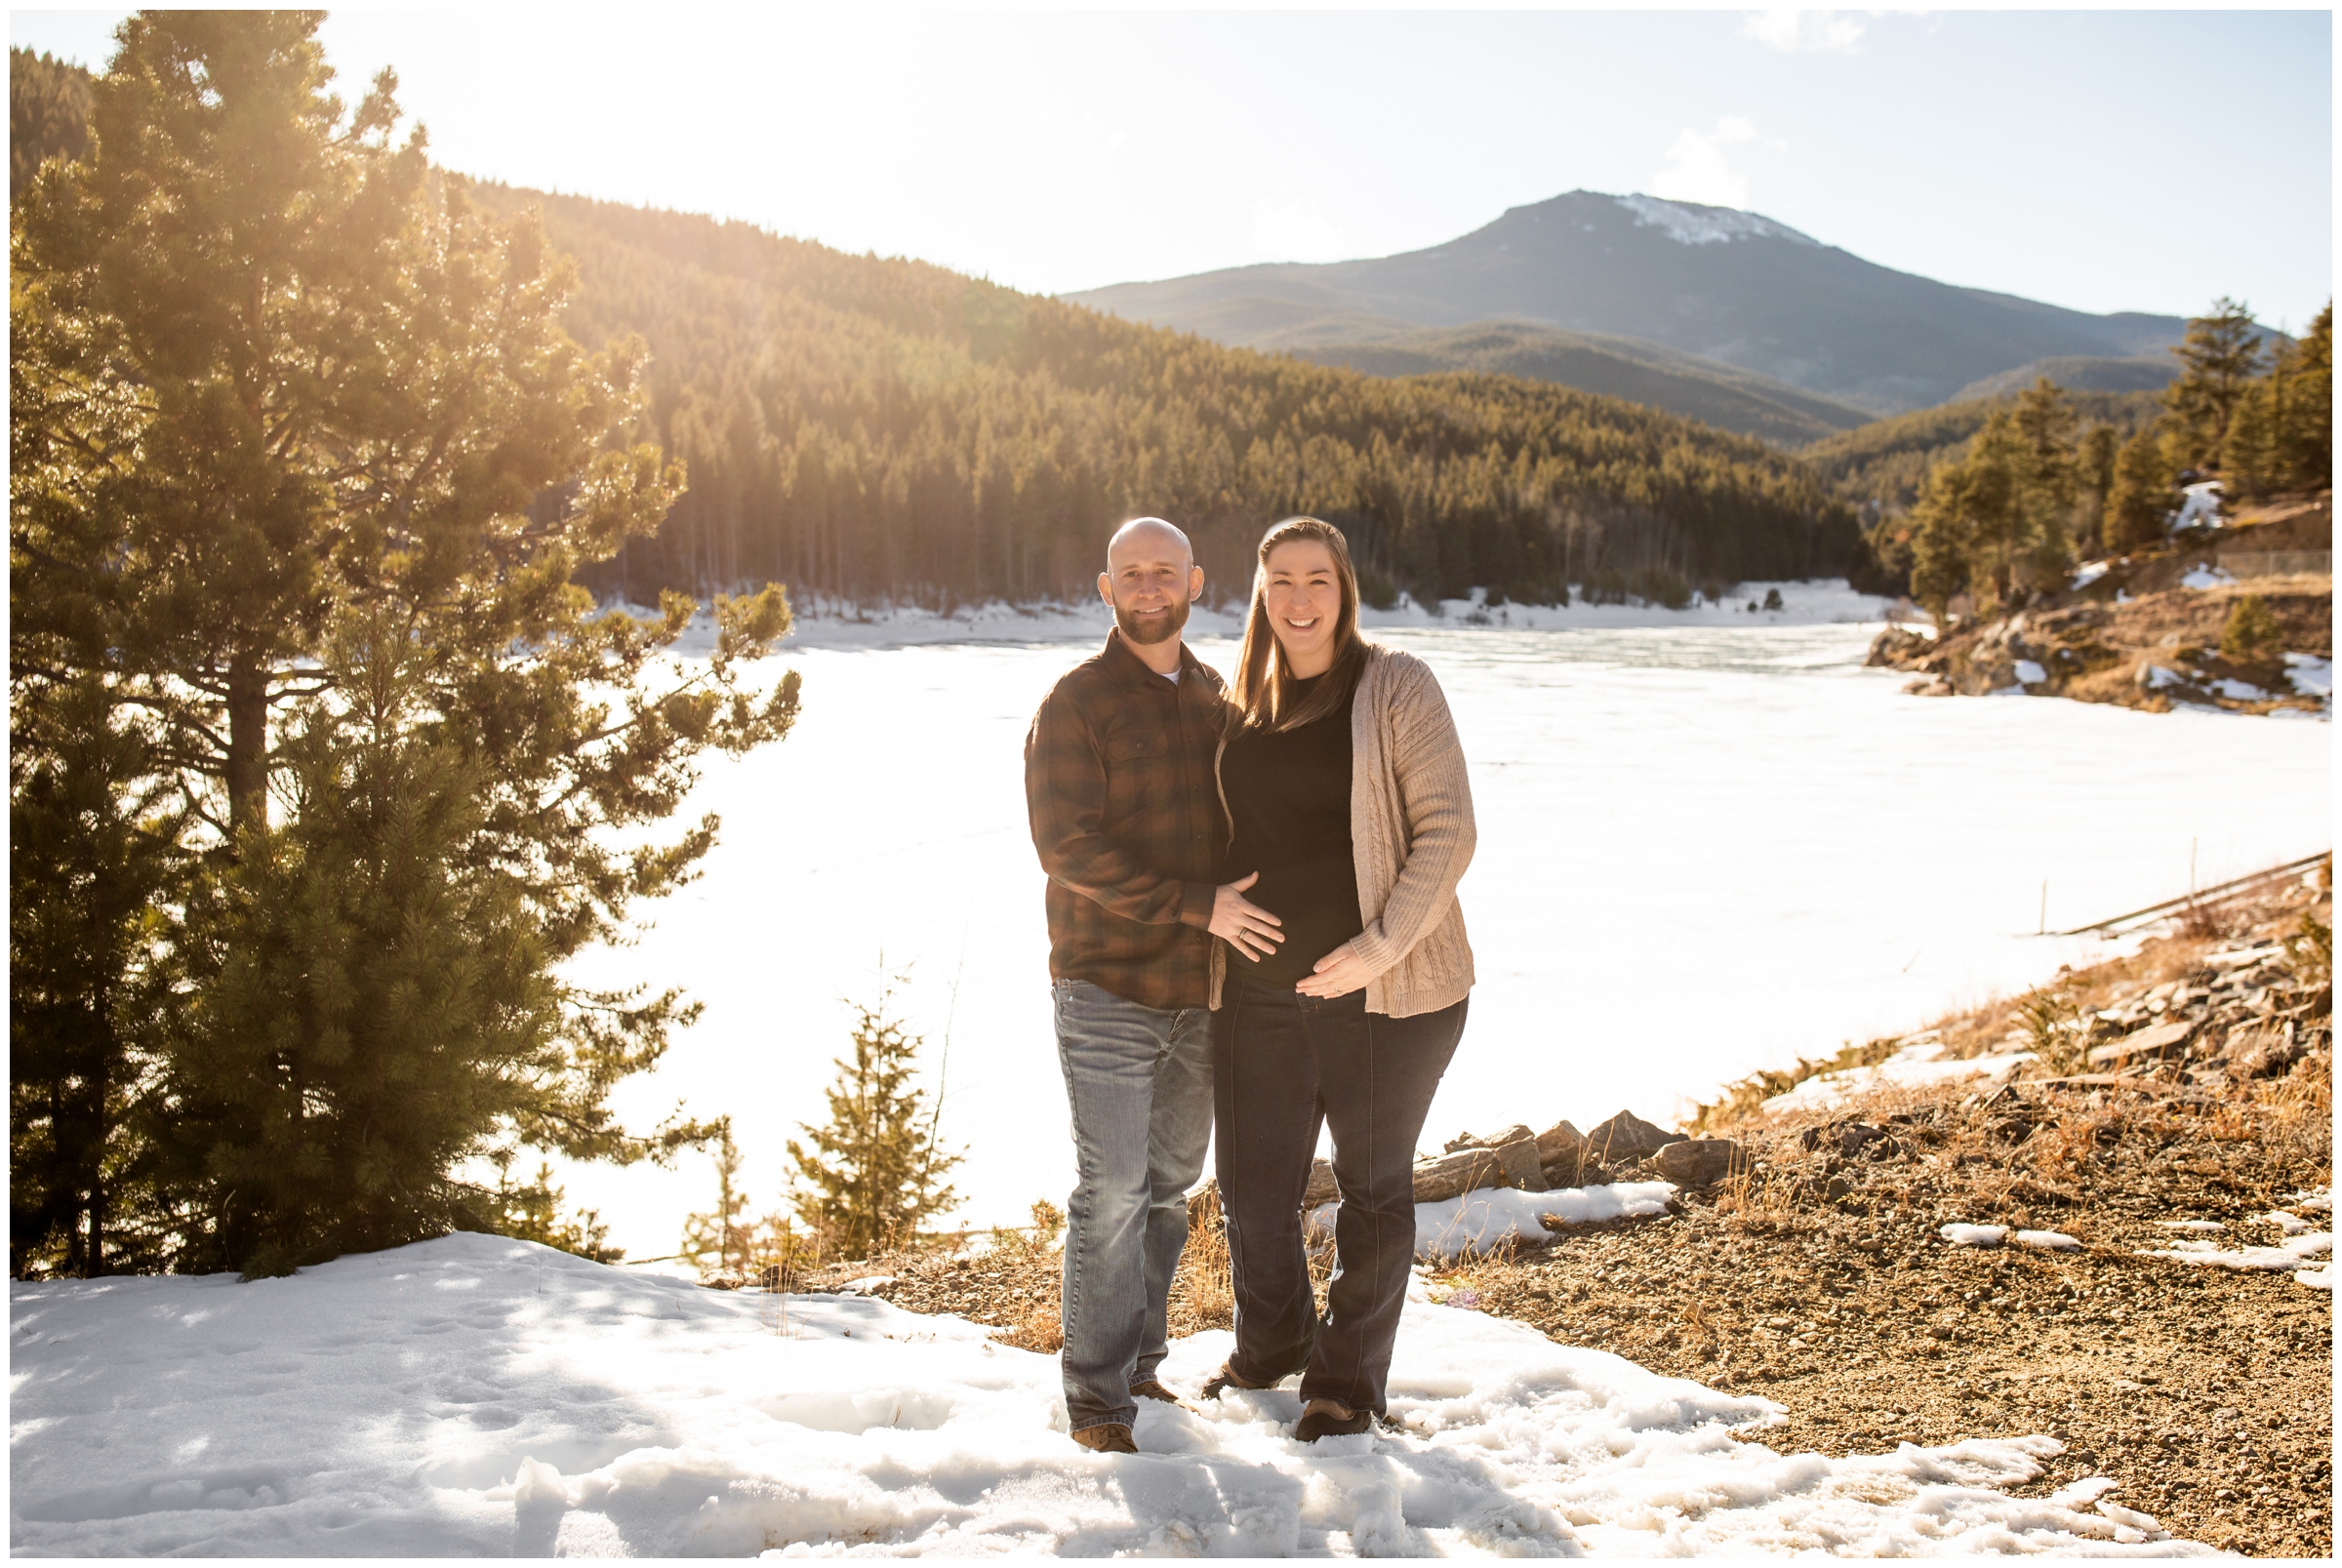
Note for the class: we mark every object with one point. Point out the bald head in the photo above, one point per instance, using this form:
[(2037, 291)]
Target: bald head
[(1149, 538), (1150, 578)]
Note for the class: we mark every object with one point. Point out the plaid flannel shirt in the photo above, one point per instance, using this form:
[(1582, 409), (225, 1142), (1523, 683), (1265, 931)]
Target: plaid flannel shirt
[(1125, 810)]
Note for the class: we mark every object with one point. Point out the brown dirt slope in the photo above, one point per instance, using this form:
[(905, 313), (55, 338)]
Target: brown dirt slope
[(2137, 637)]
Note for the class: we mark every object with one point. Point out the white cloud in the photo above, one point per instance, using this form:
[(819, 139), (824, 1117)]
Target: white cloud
[(1699, 166), (1289, 232), (1829, 32)]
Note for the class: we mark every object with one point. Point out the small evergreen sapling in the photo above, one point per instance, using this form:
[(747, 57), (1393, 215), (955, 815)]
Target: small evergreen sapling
[(531, 1212), (873, 1171), (2253, 636), (722, 1241)]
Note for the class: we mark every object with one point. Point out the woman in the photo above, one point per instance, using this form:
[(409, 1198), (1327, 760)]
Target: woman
[(1347, 796)]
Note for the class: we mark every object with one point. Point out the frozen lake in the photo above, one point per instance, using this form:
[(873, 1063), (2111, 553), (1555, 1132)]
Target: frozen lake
[(1704, 849)]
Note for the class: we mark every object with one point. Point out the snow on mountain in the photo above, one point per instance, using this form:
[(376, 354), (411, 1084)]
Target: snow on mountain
[(1690, 224), (477, 1395)]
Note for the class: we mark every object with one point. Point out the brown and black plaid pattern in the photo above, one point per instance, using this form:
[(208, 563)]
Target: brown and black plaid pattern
[(1126, 814)]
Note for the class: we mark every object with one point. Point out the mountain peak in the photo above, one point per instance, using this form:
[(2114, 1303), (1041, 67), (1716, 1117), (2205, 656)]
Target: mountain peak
[(1688, 222)]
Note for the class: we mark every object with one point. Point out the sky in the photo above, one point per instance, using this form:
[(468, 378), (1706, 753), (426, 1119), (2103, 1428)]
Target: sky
[(2099, 160)]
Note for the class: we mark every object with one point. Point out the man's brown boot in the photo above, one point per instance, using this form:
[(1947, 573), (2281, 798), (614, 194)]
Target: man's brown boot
[(1153, 1388), (1111, 1437)]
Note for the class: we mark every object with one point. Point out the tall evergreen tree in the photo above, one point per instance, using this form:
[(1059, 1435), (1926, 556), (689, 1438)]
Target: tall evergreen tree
[(313, 467), (2281, 435), (873, 1171), (2218, 357), (2096, 461), (2048, 478), (2142, 494)]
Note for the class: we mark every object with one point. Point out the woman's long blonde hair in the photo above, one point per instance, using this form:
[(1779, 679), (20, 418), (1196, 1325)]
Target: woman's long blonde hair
[(1264, 689)]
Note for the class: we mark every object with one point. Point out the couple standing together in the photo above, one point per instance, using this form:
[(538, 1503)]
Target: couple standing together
[(1253, 923)]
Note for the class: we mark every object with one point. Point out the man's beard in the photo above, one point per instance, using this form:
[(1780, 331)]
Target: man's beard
[(1163, 631)]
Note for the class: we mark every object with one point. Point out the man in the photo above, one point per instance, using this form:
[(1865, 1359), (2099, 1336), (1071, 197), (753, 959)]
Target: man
[(1125, 810)]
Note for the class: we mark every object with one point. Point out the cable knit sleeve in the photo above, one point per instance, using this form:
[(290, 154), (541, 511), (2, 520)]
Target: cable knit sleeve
[(1433, 795)]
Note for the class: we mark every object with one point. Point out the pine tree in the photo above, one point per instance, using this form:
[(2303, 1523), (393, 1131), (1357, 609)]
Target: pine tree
[(2219, 355), (306, 467), (2282, 435), (2097, 461), (2142, 494), (873, 1171), (2251, 636), (91, 851), (2049, 479), (533, 1212), (722, 1241)]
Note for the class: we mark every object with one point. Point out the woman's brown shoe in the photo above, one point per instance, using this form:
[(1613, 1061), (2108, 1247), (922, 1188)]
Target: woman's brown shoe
[(1226, 1378), (1328, 1418)]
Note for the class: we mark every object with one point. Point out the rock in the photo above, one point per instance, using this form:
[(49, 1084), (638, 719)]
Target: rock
[(2263, 1055), (1511, 1135), (1558, 1141), (1698, 1161), (1322, 1187), (1627, 1136), (1455, 1174), (1520, 1163), (2163, 1040), (1566, 1159)]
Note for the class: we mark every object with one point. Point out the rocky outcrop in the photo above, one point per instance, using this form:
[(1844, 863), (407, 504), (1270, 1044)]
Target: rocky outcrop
[(1626, 1145)]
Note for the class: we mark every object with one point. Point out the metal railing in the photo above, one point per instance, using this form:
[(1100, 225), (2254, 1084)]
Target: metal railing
[(2279, 563)]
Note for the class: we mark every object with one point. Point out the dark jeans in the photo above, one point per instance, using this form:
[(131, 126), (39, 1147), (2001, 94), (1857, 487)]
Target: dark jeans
[(1282, 1066)]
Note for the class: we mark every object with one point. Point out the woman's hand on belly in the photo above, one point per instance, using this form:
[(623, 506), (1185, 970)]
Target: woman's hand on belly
[(1337, 974)]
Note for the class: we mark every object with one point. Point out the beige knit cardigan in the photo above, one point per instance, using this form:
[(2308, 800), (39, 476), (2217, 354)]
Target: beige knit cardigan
[(1411, 835)]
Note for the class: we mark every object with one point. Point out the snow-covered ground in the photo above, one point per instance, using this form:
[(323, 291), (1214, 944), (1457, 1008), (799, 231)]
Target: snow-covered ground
[(481, 1397), (822, 623), (1707, 846)]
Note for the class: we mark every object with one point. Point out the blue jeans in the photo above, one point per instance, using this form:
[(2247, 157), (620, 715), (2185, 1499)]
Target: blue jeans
[(1140, 1080)]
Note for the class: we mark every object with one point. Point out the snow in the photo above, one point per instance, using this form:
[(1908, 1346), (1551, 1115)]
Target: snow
[(2292, 1253), (2207, 576), (2319, 1278), (2049, 1240), (2031, 673), (1689, 224), (1480, 1220), (2200, 1225), (1827, 1090), (2198, 507), (480, 1396), (838, 625), (2089, 572), (2318, 1201), (1717, 785), (1975, 1235), (2293, 1225), (2239, 691), (2311, 675)]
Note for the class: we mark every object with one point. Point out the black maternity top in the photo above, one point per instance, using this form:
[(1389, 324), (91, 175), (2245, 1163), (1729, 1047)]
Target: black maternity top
[(1288, 801)]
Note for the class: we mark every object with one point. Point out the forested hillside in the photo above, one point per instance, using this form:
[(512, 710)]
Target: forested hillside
[(874, 428), (882, 429), (1883, 463)]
